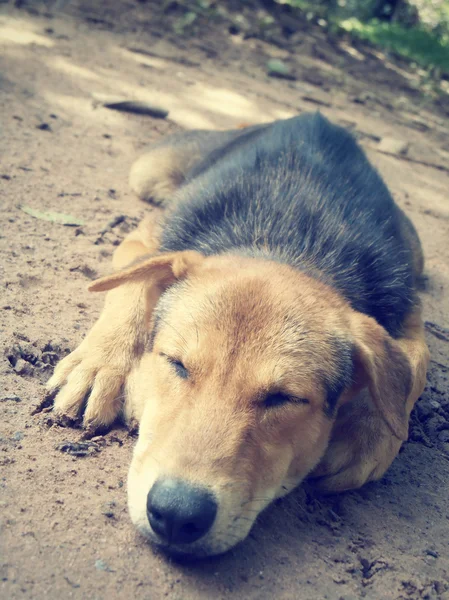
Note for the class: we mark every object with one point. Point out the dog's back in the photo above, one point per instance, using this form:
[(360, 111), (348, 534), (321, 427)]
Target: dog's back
[(302, 192)]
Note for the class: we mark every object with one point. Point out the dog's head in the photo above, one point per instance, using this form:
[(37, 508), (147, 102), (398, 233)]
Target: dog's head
[(246, 365)]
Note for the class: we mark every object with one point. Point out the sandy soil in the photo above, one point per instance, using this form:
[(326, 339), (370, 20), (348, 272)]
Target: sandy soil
[(64, 528)]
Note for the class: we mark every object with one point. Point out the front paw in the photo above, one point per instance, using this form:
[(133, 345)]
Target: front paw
[(332, 478), (91, 379), (361, 448), (349, 465)]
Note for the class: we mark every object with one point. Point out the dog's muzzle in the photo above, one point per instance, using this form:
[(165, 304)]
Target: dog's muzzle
[(180, 513)]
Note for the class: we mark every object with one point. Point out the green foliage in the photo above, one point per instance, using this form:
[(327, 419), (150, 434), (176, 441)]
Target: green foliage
[(54, 217), (184, 22), (418, 31), (415, 43), (433, 14)]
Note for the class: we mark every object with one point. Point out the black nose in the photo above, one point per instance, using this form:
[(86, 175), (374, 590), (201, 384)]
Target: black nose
[(178, 512)]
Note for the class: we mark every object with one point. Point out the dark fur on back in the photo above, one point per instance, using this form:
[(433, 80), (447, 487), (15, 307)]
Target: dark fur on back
[(301, 191)]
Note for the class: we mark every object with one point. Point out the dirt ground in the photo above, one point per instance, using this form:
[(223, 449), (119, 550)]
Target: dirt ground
[(64, 528)]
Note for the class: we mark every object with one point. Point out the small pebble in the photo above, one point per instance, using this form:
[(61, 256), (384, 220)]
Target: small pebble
[(10, 398), (393, 146), (22, 367), (108, 509), (101, 565)]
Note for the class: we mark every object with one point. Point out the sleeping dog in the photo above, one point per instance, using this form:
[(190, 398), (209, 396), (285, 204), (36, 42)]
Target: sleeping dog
[(265, 325)]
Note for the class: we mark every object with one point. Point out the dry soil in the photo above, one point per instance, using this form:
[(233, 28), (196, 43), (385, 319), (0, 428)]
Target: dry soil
[(64, 528)]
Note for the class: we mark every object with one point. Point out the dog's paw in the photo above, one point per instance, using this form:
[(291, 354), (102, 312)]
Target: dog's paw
[(361, 448), (91, 379), (154, 177), (348, 465), (332, 479)]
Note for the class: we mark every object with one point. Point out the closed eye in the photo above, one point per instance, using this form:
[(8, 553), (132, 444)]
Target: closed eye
[(178, 367), (280, 399)]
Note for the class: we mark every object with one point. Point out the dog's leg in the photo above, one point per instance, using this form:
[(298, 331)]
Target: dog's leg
[(94, 374), (143, 240), (362, 446), (158, 173), (96, 371)]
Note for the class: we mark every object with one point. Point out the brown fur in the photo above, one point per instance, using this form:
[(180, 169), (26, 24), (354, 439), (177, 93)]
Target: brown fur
[(226, 322), (169, 166)]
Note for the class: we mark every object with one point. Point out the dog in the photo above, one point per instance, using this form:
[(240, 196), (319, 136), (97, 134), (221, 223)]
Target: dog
[(265, 324)]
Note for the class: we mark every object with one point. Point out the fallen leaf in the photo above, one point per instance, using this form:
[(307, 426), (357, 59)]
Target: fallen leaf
[(101, 565), (315, 100), (188, 19), (278, 68), (137, 107), (54, 217)]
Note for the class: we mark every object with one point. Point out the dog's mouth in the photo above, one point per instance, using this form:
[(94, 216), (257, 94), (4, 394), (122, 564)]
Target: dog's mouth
[(186, 553), (213, 545), (209, 527)]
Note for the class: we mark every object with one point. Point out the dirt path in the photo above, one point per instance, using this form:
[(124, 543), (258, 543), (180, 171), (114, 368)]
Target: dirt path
[(64, 529)]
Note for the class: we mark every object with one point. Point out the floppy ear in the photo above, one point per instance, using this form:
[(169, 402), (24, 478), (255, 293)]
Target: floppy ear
[(161, 271), (384, 367)]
